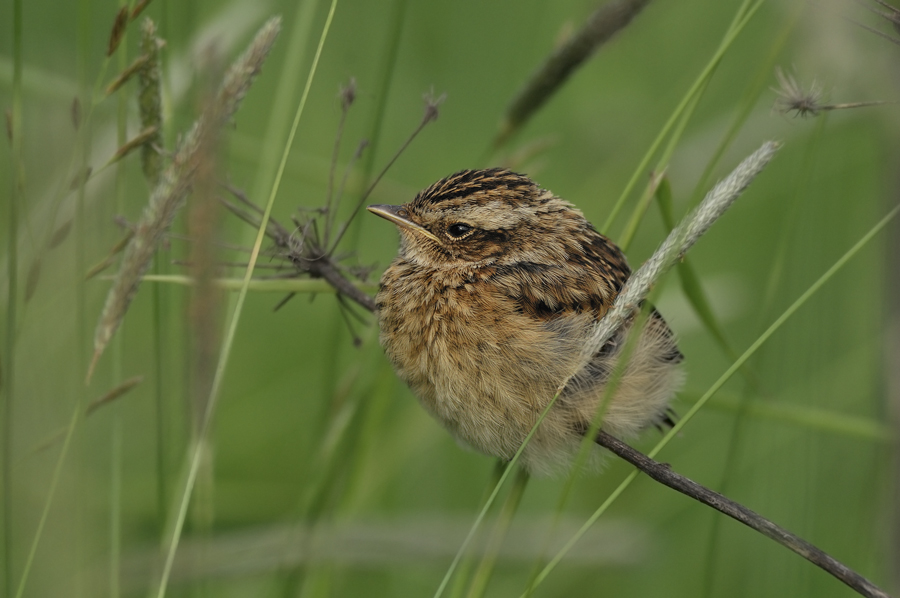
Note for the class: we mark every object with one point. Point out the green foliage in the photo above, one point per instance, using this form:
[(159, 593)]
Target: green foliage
[(320, 474)]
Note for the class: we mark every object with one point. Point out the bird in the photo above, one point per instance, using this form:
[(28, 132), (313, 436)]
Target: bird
[(487, 309)]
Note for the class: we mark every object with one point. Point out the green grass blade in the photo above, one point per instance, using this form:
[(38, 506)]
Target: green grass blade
[(486, 567), (279, 113), (690, 282), (751, 350), (74, 420), (9, 345), (742, 17), (228, 341)]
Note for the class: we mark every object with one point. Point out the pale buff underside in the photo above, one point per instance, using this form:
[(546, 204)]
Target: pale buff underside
[(486, 371)]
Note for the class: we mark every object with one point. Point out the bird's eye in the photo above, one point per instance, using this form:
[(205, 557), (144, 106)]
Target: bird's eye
[(458, 230)]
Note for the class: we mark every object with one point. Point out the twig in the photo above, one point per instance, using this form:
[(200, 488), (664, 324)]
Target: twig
[(666, 476), (311, 260)]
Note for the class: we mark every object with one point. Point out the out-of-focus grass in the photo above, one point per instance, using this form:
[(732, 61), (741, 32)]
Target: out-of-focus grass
[(315, 441)]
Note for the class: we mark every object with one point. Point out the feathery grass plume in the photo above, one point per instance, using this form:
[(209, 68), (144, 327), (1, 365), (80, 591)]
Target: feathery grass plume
[(603, 23), (205, 301), (675, 247), (175, 184), (150, 102), (118, 30), (792, 97)]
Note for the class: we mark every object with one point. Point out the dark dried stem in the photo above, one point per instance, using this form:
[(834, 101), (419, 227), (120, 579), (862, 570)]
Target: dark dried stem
[(308, 259), (340, 193), (329, 195), (323, 267), (664, 475), (430, 115)]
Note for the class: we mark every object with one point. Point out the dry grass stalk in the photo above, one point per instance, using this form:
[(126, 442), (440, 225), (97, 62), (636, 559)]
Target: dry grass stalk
[(792, 97), (175, 183), (205, 297)]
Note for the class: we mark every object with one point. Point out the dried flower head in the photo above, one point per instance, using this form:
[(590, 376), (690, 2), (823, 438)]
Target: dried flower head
[(793, 98), (807, 102)]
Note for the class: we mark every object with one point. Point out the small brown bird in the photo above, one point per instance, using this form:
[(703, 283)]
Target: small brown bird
[(487, 307)]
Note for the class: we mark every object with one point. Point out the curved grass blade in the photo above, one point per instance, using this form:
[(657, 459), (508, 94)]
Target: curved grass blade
[(635, 290), (228, 341), (812, 290), (742, 17)]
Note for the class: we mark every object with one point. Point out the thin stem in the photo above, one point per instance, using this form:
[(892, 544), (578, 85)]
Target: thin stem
[(12, 269), (666, 476), (751, 350), (742, 17), (430, 114), (501, 527), (232, 328)]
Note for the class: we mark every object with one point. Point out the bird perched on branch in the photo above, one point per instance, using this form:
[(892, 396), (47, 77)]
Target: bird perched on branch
[(488, 306)]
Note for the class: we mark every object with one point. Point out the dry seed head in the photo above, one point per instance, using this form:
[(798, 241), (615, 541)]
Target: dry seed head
[(793, 98), (431, 105), (138, 9), (348, 94), (175, 184), (118, 30)]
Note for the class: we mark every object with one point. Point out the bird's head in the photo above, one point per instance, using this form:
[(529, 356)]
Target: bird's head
[(483, 216)]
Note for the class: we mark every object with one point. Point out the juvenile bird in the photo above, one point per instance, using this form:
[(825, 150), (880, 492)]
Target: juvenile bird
[(486, 310)]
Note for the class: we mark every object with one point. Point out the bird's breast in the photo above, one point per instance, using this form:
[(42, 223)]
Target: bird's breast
[(469, 353)]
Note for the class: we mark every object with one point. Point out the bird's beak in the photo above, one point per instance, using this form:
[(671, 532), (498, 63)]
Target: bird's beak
[(392, 213)]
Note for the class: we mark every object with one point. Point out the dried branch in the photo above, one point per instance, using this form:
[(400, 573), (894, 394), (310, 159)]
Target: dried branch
[(665, 475), (303, 251)]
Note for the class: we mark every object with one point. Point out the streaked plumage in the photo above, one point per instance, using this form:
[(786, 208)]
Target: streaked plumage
[(487, 306)]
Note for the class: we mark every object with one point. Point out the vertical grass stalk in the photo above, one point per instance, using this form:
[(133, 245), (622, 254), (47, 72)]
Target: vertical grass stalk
[(742, 17), (228, 341), (7, 381), (751, 350)]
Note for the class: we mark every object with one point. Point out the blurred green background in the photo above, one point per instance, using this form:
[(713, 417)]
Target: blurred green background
[(322, 475)]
